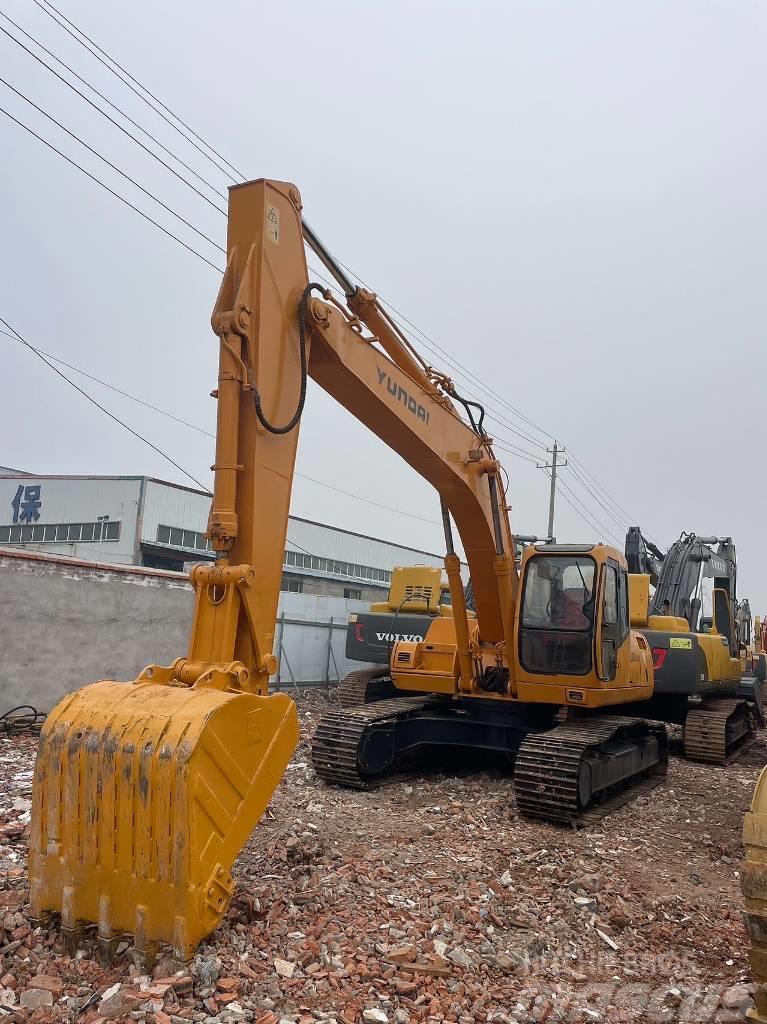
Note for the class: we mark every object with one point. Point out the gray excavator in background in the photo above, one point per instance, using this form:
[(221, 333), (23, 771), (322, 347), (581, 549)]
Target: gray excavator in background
[(697, 659)]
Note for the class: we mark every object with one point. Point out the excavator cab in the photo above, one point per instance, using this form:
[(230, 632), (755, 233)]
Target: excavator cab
[(575, 641), (557, 623)]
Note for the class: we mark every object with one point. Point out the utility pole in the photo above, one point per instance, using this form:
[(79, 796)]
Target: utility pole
[(553, 465)]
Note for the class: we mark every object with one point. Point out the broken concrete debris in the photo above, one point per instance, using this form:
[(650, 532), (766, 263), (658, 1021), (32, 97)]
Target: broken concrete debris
[(425, 900)]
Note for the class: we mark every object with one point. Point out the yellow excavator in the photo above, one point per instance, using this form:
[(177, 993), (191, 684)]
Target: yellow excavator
[(417, 593), (144, 792), (753, 880)]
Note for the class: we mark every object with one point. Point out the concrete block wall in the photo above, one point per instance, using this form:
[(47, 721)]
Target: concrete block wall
[(65, 623)]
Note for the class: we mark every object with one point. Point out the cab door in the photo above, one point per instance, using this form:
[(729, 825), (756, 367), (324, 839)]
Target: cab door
[(612, 651)]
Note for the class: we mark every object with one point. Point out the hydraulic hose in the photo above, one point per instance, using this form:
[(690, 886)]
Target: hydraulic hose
[(302, 354)]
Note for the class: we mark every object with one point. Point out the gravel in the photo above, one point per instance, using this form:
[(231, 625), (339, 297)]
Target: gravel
[(426, 899)]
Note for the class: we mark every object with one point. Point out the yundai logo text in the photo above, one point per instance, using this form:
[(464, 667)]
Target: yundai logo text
[(397, 391)]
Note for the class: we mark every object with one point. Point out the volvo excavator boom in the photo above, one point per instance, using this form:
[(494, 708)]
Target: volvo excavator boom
[(144, 792)]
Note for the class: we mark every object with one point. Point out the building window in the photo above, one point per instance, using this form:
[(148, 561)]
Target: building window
[(190, 540), (299, 560), (60, 533), (291, 586), (351, 594), (157, 562)]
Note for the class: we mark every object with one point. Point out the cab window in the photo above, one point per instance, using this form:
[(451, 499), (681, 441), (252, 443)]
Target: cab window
[(557, 619), (610, 609), (623, 603)]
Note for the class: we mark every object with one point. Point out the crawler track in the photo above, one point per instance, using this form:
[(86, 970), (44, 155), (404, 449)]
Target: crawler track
[(719, 731), (338, 744), (583, 769), (367, 686)]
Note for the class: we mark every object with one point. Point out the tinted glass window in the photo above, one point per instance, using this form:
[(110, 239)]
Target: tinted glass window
[(623, 602), (610, 610), (559, 592)]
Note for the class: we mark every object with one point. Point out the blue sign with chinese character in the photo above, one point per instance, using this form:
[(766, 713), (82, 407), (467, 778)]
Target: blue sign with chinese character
[(26, 504)]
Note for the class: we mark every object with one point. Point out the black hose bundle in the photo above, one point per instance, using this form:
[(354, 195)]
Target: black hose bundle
[(22, 718), (302, 352)]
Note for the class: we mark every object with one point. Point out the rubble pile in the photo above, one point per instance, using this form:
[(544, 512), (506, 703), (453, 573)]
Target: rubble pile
[(426, 899)]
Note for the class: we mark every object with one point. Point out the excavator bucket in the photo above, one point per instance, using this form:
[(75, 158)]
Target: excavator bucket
[(753, 880), (143, 795)]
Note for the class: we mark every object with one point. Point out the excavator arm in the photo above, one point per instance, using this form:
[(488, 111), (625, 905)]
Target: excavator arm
[(274, 334), (145, 792)]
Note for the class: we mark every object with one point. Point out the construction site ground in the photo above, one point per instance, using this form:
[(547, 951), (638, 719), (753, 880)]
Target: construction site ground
[(427, 899)]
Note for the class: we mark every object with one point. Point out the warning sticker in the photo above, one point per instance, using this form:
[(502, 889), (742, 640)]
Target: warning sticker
[(681, 643), (273, 223)]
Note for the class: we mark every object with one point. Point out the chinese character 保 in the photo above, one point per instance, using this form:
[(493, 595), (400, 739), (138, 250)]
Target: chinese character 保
[(26, 504)]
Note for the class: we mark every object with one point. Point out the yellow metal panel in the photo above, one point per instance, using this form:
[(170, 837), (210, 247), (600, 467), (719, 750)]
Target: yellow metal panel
[(668, 623), (753, 880), (639, 598)]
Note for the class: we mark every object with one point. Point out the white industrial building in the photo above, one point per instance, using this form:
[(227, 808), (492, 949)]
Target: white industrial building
[(137, 520)]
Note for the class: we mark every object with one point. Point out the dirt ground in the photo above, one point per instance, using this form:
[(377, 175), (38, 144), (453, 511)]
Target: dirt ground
[(428, 899)]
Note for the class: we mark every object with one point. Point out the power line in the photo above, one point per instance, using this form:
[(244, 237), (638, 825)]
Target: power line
[(434, 346), (581, 513), (600, 525), (113, 166), (110, 190), (430, 343), (15, 336), (208, 433), (328, 562), (621, 524), (513, 450), (109, 118), (68, 25), (98, 405), (444, 352), (127, 73), (109, 102), (629, 518)]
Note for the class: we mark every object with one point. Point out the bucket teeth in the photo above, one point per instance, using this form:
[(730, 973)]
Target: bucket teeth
[(143, 795), (107, 949), (73, 938)]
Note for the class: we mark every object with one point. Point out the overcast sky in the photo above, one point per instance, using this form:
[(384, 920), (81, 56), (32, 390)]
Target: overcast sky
[(568, 198)]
